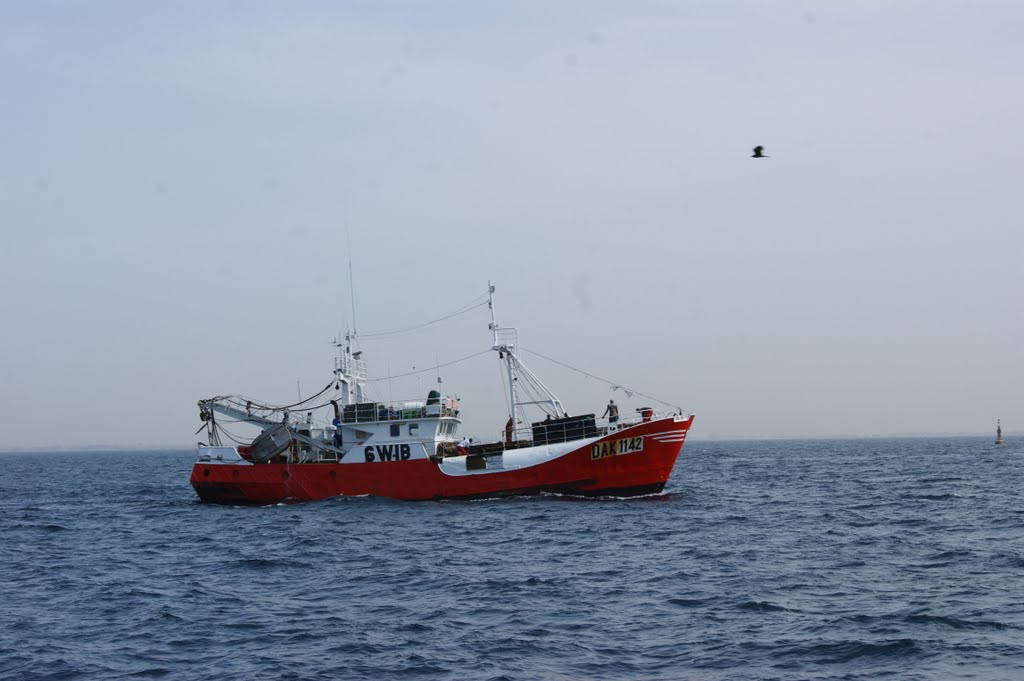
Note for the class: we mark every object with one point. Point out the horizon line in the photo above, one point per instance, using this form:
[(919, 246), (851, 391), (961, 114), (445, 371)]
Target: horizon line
[(702, 438)]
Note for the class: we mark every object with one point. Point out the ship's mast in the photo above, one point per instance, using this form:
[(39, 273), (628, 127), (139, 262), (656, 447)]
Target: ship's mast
[(504, 352), (350, 370), (505, 340)]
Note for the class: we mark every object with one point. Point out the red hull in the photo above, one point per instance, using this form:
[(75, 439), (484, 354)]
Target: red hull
[(577, 472)]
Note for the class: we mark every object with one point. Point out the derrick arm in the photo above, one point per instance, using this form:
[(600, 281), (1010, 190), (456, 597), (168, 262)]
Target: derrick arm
[(208, 407), (214, 405)]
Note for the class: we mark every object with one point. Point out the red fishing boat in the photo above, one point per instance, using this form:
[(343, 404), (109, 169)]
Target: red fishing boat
[(413, 449)]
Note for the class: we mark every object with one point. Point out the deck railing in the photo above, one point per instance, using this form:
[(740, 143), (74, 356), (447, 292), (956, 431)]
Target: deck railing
[(372, 412), (601, 426)]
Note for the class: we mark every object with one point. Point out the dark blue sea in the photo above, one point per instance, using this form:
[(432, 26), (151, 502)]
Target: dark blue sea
[(844, 559)]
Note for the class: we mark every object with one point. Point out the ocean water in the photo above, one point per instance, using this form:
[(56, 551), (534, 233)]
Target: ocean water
[(852, 559)]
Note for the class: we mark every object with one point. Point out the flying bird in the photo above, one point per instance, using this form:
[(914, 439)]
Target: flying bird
[(757, 152)]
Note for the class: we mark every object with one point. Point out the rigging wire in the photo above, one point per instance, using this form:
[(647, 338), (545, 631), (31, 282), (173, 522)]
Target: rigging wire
[(250, 405), (603, 380), (468, 307), (271, 411), (304, 406), (533, 395), (232, 436), (432, 368)]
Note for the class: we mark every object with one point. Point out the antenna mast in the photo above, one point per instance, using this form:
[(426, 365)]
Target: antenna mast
[(351, 286), (349, 367)]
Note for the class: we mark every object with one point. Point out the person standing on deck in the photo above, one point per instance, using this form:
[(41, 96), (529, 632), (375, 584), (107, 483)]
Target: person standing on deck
[(612, 412)]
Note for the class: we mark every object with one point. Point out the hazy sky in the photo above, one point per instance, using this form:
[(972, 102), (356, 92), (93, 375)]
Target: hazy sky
[(176, 180)]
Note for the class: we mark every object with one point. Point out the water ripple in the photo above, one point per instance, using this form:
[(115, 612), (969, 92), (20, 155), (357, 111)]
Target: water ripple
[(762, 560)]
